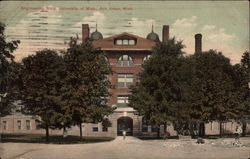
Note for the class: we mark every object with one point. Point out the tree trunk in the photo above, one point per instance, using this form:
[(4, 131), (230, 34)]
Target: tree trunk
[(165, 128), (47, 132), (80, 126), (165, 131), (244, 127), (202, 129), (158, 132), (220, 128)]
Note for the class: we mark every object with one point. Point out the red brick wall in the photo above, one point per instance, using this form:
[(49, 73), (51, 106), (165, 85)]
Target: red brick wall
[(113, 57)]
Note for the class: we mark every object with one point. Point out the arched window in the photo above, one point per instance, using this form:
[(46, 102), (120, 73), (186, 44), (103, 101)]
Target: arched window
[(146, 58), (125, 60)]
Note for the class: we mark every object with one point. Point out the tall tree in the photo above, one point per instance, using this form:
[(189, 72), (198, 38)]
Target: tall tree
[(216, 97), (163, 90), (85, 86), (6, 57), (41, 84), (242, 83)]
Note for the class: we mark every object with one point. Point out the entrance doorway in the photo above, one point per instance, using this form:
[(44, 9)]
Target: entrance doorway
[(125, 123)]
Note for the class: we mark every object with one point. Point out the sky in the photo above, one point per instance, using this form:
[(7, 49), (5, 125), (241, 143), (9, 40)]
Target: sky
[(224, 25)]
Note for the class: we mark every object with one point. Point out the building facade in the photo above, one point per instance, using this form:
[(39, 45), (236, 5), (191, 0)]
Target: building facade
[(125, 53)]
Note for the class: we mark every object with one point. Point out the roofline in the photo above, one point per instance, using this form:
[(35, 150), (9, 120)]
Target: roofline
[(124, 33), (124, 49)]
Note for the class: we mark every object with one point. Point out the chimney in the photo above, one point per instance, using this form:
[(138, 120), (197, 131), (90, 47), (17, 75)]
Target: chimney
[(165, 32), (198, 43), (85, 33)]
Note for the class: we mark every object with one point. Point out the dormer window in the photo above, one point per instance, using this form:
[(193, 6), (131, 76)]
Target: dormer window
[(125, 42)]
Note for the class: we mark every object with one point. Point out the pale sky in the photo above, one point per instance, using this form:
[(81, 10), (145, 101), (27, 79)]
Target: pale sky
[(223, 24)]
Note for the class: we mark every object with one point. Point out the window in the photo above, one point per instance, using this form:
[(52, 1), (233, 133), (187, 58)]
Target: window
[(125, 41), (5, 125), (95, 129), (125, 80), (104, 100), (118, 42), (122, 101), (19, 124), (131, 42), (125, 60), (104, 129), (28, 124), (144, 128), (38, 124), (154, 128), (144, 125), (146, 58)]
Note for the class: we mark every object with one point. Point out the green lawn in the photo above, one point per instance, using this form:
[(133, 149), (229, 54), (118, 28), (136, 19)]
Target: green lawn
[(54, 139)]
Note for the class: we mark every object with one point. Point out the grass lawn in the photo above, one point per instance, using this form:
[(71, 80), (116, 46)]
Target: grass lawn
[(54, 139)]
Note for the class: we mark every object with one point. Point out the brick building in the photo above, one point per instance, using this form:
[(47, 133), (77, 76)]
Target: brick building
[(125, 53)]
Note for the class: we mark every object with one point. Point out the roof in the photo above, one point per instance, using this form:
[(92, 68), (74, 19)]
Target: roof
[(96, 35), (142, 44), (153, 36)]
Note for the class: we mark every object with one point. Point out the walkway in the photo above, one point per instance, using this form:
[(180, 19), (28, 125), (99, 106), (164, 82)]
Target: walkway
[(131, 148)]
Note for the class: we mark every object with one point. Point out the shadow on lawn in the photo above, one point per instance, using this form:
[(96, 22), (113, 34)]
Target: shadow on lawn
[(193, 137), (54, 139)]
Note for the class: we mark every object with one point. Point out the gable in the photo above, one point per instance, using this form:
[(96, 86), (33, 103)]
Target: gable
[(124, 41)]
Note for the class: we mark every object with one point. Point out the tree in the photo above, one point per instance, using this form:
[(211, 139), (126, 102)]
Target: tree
[(163, 91), (242, 82), (216, 97), (6, 57), (85, 86), (40, 86)]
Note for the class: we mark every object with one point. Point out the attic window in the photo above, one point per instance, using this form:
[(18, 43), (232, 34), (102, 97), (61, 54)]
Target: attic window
[(125, 42)]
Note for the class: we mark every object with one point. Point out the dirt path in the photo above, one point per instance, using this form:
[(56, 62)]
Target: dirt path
[(131, 148)]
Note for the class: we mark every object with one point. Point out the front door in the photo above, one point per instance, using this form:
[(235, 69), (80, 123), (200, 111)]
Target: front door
[(125, 123)]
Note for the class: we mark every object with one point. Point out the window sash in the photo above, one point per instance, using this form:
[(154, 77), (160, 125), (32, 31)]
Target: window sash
[(122, 100), (125, 80), (95, 129), (38, 124), (144, 128), (131, 42), (125, 42), (125, 60), (5, 125), (28, 124), (19, 124)]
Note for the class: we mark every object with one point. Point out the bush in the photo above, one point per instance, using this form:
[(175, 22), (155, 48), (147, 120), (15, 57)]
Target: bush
[(200, 141)]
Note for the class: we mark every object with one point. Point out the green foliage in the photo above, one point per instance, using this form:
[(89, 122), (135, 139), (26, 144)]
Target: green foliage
[(6, 58), (216, 95), (163, 91), (200, 141), (86, 86), (41, 83), (242, 82), (188, 90)]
